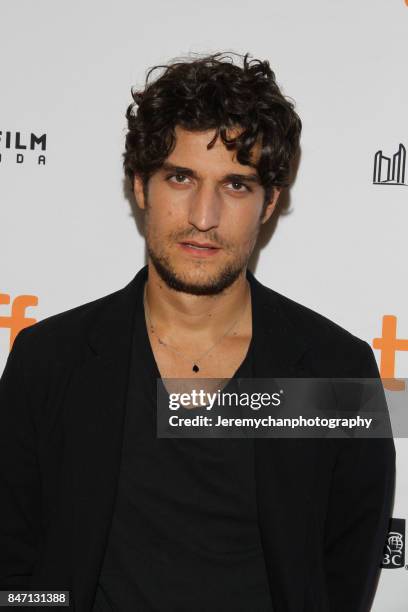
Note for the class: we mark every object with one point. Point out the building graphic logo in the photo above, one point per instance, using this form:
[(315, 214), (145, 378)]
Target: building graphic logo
[(390, 171), (394, 550)]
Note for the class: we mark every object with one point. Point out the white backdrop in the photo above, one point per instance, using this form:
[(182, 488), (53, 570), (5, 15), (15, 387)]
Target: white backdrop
[(66, 228)]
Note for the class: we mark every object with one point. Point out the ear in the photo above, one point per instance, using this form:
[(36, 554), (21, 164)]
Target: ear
[(270, 207), (138, 191)]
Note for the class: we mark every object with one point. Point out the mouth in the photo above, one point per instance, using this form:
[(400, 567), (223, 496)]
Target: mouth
[(199, 248)]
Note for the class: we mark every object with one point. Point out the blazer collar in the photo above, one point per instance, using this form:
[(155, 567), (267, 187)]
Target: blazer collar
[(278, 343)]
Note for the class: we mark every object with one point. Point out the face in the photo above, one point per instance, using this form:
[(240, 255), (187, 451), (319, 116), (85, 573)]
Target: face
[(196, 196)]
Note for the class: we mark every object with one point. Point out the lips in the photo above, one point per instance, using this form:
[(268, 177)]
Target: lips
[(200, 245), (199, 250)]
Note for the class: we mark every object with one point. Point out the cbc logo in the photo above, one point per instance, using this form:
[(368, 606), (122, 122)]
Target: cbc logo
[(394, 550)]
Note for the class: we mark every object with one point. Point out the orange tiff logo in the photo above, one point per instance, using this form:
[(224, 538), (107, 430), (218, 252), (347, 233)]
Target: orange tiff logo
[(17, 320), (389, 344)]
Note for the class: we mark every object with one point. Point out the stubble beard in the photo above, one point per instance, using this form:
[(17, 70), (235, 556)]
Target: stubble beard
[(222, 279)]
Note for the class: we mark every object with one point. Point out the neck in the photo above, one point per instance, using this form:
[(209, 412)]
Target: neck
[(205, 318)]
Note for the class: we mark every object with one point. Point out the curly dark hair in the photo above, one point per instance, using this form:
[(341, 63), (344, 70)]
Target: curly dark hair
[(212, 92)]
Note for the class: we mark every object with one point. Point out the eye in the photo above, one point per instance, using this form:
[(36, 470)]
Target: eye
[(241, 185), (176, 175)]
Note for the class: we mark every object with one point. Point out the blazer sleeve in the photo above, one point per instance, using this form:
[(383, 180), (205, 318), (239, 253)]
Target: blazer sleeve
[(359, 511), (20, 486)]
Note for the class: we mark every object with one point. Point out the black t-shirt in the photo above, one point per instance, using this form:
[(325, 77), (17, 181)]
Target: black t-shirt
[(184, 534)]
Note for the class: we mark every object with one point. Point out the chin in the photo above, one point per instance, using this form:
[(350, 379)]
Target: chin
[(202, 281)]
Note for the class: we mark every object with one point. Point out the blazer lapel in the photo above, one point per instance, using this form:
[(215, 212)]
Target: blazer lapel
[(96, 401), (278, 347), (281, 464)]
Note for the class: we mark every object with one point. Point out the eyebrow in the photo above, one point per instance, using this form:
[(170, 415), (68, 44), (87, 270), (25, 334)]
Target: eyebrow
[(252, 178)]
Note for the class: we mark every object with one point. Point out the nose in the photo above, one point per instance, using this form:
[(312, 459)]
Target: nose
[(205, 208)]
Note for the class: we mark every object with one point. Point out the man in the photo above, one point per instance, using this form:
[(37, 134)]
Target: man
[(93, 501)]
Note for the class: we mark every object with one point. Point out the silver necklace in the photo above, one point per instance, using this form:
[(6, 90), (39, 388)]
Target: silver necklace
[(195, 367)]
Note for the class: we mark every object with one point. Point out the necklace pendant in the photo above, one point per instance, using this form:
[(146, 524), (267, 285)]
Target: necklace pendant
[(195, 368)]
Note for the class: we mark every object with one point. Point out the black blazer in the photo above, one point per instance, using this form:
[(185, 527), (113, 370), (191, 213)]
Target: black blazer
[(324, 504)]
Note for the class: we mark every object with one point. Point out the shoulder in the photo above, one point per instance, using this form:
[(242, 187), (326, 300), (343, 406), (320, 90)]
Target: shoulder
[(62, 332), (329, 346)]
